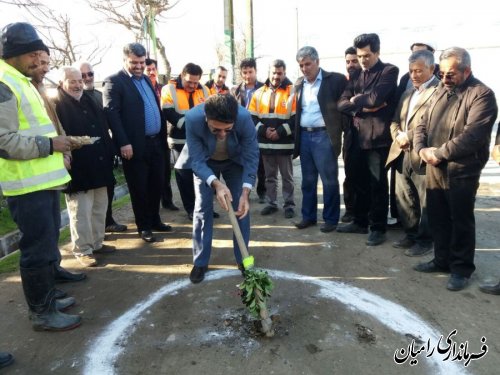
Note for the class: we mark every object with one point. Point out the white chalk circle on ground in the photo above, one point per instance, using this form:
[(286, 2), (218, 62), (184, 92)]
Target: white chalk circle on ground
[(105, 349)]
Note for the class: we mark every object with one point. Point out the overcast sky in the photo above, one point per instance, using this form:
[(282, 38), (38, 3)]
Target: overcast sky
[(193, 29)]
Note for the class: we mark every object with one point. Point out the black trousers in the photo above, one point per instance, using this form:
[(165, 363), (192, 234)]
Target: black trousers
[(350, 174), (450, 207), (371, 186), (38, 217), (166, 194), (261, 178), (145, 181)]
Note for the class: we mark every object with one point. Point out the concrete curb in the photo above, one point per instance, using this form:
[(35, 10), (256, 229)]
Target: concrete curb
[(10, 242)]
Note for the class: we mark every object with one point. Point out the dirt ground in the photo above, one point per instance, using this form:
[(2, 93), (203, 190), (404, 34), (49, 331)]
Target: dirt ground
[(339, 306)]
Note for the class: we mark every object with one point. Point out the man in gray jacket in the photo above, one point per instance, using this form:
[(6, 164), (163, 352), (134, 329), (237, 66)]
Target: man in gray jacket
[(453, 139)]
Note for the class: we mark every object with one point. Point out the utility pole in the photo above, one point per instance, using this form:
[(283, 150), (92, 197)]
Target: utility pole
[(229, 35), (249, 33)]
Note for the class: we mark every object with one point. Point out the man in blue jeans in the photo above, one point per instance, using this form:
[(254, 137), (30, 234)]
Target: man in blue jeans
[(318, 136), (221, 140)]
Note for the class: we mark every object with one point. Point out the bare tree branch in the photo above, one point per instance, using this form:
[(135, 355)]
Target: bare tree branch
[(132, 14), (55, 28)]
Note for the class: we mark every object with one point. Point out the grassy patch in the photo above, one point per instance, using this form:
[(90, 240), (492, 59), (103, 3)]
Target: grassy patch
[(6, 223), (10, 263)]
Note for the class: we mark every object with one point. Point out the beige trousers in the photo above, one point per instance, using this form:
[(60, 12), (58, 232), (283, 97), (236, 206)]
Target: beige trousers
[(87, 217)]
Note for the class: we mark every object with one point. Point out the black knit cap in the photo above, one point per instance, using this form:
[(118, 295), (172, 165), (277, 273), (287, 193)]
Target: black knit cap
[(20, 38)]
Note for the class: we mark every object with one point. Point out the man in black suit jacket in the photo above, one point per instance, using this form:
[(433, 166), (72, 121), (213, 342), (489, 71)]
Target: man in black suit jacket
[(370, 99), (318, 137), (134, 115)]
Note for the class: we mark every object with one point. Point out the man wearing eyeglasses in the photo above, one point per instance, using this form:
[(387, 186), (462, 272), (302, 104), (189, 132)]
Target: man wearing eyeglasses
[(89, 87), (221, 140), (453, 138)]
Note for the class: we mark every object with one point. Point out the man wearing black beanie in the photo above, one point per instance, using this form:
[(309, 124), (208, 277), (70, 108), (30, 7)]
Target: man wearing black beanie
[(32, 172)]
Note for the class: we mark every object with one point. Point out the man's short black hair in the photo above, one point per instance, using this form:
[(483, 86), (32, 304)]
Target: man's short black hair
[(192, 69), (134, 48), (151, 61), (372, 40), (350, 51), (248, 63), (222, 107)]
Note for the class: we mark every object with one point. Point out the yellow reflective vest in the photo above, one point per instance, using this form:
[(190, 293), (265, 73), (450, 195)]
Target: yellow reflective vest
[(18, 177)]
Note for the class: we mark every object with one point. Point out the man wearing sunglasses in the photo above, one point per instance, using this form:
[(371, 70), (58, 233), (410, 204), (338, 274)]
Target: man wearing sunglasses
[(221, 140)]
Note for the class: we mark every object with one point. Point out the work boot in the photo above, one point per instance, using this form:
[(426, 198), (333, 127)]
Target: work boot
[(65, 303), (5, 359), (39, 291)]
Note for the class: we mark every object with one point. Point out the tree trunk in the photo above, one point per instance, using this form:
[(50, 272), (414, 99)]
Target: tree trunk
[(164, 61)]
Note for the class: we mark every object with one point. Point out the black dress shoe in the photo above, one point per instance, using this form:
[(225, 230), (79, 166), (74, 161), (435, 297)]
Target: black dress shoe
[(375, 238), (404, 243), (304, 224), (147, 236), (115, 227), (347, 218), (418, 250), (6, 359), (289, 213), (327, 227), (170, 206), (62, 275), (197, 274), (162, 227), (430, 267), (268, 210), (105, 249), (490, 289), (352, 228), (456, 282)]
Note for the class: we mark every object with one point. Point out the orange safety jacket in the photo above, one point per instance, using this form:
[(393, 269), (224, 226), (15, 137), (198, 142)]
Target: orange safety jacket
[(175, 104), (282, 118), (212, 87)]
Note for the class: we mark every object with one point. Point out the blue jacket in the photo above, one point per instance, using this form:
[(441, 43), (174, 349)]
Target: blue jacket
[(242, 146)]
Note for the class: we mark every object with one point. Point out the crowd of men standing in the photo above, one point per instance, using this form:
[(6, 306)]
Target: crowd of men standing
[(433, 131)]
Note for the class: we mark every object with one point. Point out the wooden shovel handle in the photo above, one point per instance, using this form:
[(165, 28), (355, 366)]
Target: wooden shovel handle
[(236, 229)]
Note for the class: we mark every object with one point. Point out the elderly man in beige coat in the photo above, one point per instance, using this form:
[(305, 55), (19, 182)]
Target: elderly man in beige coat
[(410, 173)]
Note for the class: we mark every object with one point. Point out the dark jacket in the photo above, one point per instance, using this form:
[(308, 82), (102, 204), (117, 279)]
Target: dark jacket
[(467, 149), (91, 165), (330, 90), (238, 92), (372, 89), (124, 109)]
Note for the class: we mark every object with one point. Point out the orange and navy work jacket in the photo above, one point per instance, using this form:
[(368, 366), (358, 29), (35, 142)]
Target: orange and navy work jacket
[(175, 104), (281, 118)]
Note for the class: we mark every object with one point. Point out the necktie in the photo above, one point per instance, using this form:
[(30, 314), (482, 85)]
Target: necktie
[(190, 100)]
